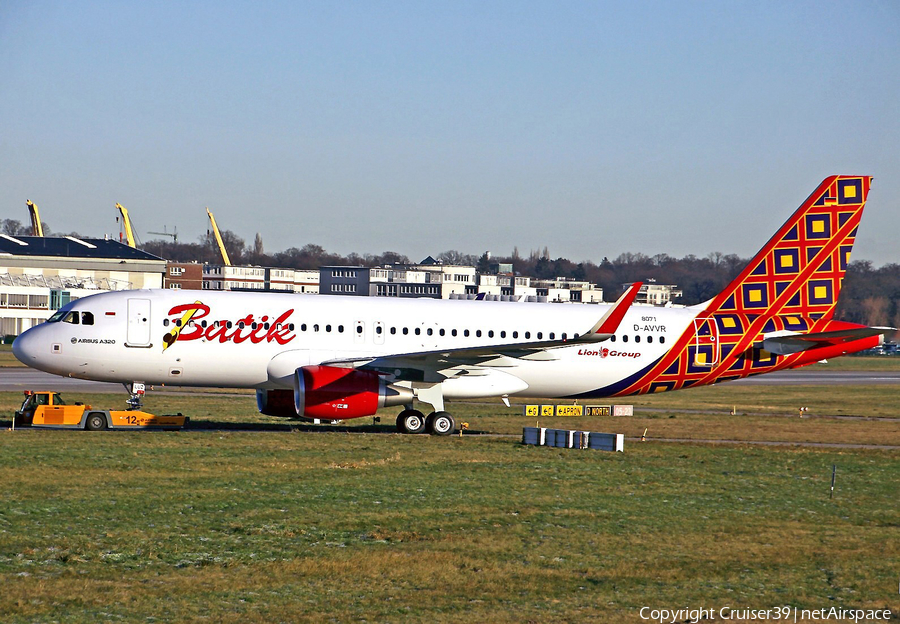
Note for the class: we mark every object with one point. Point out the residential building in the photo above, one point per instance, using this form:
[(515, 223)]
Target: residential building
[(655, 294)]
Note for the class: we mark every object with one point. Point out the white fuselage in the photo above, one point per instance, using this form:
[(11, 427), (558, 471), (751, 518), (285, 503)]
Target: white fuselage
[(282, 332)]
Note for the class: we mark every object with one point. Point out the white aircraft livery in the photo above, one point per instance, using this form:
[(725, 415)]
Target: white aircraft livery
[(339, 357)]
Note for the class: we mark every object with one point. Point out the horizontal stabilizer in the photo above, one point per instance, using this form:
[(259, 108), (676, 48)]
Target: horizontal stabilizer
[(786, 344)]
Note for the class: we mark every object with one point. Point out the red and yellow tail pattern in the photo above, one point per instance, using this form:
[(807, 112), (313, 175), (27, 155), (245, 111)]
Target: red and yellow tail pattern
[(801, 268), (792, 284)]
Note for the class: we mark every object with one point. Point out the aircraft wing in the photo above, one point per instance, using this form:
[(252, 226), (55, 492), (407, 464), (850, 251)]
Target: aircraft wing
[(795, 343), (439, 364)]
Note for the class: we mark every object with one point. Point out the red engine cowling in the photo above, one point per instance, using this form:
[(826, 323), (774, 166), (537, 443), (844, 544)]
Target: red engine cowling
[(332, 393)]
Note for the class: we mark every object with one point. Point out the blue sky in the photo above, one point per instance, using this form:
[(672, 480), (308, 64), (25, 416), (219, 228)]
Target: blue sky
[(590, 128)]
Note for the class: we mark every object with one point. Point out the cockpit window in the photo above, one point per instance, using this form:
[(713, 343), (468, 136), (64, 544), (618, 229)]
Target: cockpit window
[(87, 318), (57, 316), (71, 317)]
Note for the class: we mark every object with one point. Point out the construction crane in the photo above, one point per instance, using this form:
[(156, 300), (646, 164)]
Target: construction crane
[(215, 228), (173, 233), (126, 224), (36, 228)]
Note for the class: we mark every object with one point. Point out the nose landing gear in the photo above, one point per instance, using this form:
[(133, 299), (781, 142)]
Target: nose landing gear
[(136, 400)]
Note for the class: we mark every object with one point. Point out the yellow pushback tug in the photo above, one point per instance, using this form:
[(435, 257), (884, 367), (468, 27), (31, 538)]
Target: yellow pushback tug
[(48, 410)]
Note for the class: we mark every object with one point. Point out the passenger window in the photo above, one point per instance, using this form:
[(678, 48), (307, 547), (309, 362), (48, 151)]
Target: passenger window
[(378, 329), (649, 338), (328, 328), (165, 322), (637, 338), (478, 333), (466, 333), (418, 331), (87, 318), (303, 327), (430, 331), (552, 336), (515, 334), (442, 332), (453, 332), (316, 327), (662, 340), (540, 335), (291, 327), (624, 338), (527, 335), (340, 329), (359, 329), (405, 331), (491, 333), (612, 338), (564, 336), (393, 330), (503, 334)]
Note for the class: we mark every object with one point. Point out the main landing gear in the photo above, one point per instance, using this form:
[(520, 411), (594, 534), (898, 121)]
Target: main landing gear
[(413, 421)]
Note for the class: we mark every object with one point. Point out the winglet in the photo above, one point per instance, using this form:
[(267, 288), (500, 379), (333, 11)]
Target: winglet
[(607, 325)]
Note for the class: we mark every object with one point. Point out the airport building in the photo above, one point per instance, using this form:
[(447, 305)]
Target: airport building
[(38, 275)]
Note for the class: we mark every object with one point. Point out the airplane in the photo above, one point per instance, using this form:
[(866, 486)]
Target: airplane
[(335, 358)]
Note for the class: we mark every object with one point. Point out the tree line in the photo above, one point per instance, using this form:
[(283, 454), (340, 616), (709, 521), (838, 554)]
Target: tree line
[(870, 295)]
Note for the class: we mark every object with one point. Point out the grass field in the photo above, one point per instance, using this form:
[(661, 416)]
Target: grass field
[(281, 523)]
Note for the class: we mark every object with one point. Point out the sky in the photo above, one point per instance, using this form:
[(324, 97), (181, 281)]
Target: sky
[(591, 128)]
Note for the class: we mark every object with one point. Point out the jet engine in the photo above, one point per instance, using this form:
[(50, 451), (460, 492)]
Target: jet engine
[(333, 393), (276, 403)]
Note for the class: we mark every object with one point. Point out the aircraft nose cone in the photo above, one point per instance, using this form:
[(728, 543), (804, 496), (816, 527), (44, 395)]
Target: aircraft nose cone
[(24, 348)]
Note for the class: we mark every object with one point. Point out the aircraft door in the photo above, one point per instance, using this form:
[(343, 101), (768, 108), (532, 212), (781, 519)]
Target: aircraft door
[(378, 328), (359, 332), (706, 343), (138, 323)]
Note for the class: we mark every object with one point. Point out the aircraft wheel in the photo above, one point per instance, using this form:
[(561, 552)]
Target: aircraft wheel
[(95, 422), (440, 423), (411, 421)]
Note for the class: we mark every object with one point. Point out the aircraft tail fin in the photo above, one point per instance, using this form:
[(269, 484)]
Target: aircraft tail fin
[(800, 270)]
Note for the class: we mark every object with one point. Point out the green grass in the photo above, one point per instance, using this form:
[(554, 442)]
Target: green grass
[(277, 525), (862, 363)]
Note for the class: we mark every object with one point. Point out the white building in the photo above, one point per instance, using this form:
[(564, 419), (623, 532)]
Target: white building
[(655, 294), (564, 289)]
